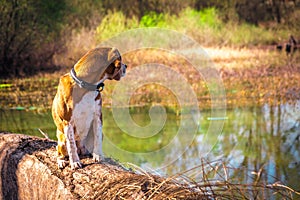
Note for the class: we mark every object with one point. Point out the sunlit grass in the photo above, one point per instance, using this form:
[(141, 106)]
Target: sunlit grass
[(213, 181), (205, 26), (250, 76)]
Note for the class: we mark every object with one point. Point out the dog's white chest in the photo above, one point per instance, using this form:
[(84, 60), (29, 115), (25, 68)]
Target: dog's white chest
[(84, 113)]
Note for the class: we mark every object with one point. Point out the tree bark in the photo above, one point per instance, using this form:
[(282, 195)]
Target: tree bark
[(29, 171)]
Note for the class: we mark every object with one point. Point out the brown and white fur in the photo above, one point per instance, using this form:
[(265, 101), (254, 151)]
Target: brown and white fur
[(77, 112)]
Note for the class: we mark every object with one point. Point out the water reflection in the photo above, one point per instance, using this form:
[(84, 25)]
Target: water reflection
[(258, 138), (255, 139)]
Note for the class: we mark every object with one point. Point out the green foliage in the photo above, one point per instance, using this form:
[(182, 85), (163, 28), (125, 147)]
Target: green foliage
[(114, 23), (153, 19), (206, 26), (32, 32), (5, 85), (83, 13), (49, 14), (28, 30), (209, 17), (247, 34)]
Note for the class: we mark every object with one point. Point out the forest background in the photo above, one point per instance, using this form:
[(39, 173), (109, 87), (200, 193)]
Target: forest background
[(44, 36)]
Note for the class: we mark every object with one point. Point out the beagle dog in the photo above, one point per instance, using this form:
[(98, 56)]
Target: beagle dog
[(77, 105)]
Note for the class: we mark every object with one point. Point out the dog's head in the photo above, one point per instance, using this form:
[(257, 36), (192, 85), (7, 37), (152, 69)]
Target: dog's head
[(116, 69), (103, 61)]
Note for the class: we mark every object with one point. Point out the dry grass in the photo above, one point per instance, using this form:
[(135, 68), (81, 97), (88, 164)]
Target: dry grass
[(77, 43), (208, 180), (212, 182), (250, 76)]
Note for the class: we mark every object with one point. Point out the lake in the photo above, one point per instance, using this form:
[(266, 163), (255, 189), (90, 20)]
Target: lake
[(253, 139)]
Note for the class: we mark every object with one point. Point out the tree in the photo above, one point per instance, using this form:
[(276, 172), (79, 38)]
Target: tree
[(28, 30)]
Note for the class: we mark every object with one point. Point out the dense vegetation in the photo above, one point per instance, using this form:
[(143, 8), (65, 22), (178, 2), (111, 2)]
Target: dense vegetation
[(39, 35), (44, 36)]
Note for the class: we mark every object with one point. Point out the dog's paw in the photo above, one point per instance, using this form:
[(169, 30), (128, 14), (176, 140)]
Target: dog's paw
[(97, 158), (61, 163), (76, 165)]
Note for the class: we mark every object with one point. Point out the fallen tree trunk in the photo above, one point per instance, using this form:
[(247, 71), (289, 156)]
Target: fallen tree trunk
[(29, 171)]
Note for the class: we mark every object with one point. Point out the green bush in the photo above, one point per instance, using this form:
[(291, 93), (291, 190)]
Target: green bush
[(205, 26), (209, 17), (114, 23), (153, 19), (29, 32), (33, 32)]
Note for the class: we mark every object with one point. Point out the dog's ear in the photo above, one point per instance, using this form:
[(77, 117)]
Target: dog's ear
[(113, 55)]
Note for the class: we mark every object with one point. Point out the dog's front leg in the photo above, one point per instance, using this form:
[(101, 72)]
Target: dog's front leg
[(71, 147), (98, 135)]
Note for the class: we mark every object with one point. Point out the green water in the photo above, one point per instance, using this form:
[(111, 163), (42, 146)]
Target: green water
[(251, 139)]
